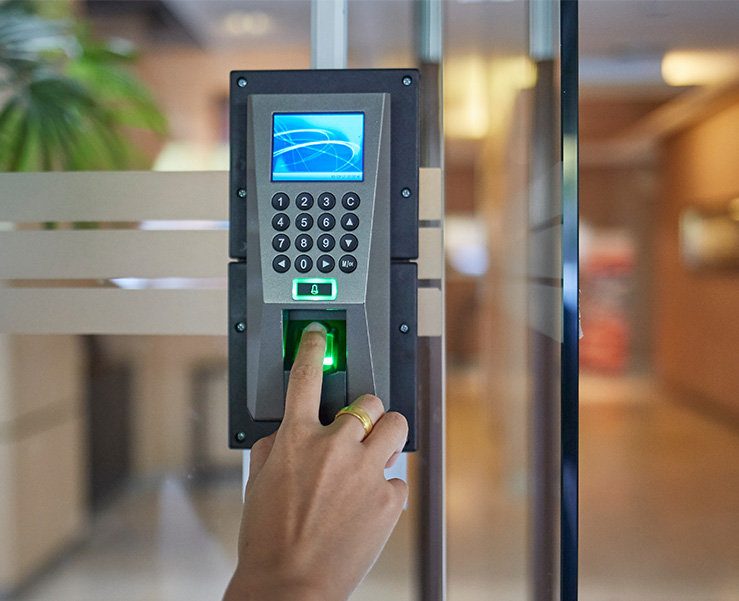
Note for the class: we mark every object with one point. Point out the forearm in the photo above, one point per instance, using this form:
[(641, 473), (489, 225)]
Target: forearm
[(243, 588)]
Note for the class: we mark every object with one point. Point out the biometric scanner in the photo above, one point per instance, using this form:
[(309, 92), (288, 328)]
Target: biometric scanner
[(323, 227)]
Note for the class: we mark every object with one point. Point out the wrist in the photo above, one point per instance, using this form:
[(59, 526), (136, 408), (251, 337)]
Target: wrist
[(253, 588)]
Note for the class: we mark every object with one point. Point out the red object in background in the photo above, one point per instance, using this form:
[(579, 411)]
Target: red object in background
[(605, 278)]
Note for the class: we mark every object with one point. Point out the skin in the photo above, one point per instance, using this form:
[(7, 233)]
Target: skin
[(317, 508)]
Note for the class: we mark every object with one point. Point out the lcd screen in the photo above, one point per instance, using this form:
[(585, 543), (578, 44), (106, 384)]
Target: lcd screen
[(318, 147)]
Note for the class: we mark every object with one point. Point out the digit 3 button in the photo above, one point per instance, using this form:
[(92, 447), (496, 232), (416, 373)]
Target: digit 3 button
[(280, 263), (347, 263), (325, 263)]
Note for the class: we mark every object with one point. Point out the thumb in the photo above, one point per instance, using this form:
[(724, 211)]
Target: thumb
[(260, 451)]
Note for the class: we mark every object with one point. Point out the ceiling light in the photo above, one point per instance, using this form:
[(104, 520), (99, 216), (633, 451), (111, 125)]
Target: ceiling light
[(699, 68), (252, 23)]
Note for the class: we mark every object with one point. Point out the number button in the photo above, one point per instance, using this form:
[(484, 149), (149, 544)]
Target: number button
[(303, 263), (280, 242), (304, 242), (304, 201), (280, 222), (280, 201), (325, 263), (350, 222), (304, 222), (326, 201), (326, 242), (347, 263), (350, 201), (280, 263), (326, 222), (348, 242)]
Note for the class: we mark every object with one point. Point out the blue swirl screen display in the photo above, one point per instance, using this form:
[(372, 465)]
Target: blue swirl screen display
[(318, 147)]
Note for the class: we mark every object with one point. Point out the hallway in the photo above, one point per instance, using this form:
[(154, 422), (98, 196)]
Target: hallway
[(659, 515)]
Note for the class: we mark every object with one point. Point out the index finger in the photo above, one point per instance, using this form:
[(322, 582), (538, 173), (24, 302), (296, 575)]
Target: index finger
[(306, 376)]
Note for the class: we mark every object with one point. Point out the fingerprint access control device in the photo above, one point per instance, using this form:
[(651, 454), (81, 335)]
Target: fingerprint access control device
[(323, 227)]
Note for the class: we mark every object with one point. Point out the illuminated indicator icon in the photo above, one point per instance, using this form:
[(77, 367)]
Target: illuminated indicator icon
[(329, 359), (314, 289)]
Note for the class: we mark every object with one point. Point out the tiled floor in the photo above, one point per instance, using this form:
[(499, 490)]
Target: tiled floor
[(659, 516)]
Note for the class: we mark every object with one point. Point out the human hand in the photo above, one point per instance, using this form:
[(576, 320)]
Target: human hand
[(317, 507)]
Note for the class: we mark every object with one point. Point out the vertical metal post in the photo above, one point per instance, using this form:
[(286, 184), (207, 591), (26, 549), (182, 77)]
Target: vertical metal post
[(543, 350), (570, 285), (432, 351), (328, 34)]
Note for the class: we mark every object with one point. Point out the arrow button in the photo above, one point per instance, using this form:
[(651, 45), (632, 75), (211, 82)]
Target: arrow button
[(281, 264), (325, 263)]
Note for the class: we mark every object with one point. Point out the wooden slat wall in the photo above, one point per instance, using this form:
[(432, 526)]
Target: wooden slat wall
[(47, 258)]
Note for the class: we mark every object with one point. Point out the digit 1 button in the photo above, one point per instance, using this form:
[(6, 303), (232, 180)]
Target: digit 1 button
[(326, 201), (326, 221), (304, 201), (350, 201), (280, 201), (280, 242), (325, 263), (280, 222), (347, 263), (303, 263), (350, 222), (348, 242), (280, 263)]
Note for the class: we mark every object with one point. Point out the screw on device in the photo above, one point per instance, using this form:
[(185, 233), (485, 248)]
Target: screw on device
[(404, 328), (405, 192), (240, 327), (407, 80), (241, 193), (241, 82), (240, 436)]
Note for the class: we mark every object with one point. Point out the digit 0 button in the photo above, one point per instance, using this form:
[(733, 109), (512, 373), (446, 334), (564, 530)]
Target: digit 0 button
[(350, 201), (303, 263)]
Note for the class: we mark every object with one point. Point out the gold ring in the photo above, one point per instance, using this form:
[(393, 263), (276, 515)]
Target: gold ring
[(361, 415)]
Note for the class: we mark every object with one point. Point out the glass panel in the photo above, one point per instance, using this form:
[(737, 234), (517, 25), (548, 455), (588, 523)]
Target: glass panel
[(660, 446)]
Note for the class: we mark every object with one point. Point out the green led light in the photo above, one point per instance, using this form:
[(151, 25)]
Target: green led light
[(329, 359), (316, 289)]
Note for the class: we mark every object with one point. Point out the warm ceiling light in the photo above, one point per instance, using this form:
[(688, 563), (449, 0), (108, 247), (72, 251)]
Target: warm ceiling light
[(240, 23), (699, 68)]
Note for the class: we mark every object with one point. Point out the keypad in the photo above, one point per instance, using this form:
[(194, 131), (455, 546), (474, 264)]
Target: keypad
[(326, 221), (304, 243), (350, 222), (326, 242), (304, 222), (348, 242), (326, 201), (303, 263), (302, 238), (280, 222), (280, 201), (281, 242), (350, 201), (304, 201)]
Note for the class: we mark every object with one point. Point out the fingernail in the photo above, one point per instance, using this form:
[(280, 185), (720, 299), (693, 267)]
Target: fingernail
[(315, 327)]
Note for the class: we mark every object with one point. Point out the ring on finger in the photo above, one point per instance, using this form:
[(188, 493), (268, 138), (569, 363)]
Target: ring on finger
[(361, 415)]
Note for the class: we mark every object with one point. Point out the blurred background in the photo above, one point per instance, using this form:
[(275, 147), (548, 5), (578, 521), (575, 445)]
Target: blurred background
[(115, 479)]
